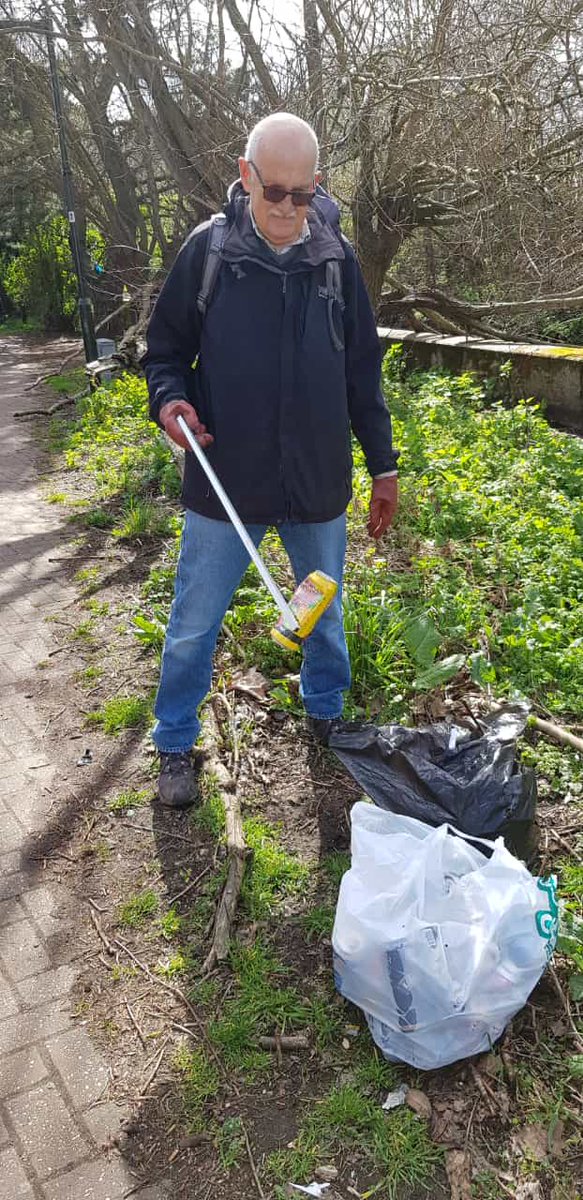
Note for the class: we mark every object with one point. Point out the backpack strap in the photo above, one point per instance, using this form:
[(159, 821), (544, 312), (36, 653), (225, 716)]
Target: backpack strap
[(333, 294), (212, 261)]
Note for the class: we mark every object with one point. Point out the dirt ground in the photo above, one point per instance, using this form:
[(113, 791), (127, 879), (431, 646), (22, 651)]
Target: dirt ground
[(140, 1017)]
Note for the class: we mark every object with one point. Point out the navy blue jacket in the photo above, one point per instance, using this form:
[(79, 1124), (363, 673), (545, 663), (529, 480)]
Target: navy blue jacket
[(264, 375)]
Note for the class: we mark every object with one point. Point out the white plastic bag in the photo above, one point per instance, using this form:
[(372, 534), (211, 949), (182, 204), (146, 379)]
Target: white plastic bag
[(437, 943)]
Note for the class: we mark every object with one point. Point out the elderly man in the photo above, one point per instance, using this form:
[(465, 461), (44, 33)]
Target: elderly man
[(264, 340)]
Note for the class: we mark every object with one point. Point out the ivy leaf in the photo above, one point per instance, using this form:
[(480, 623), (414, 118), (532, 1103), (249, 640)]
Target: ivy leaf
[(422, 639), (481, 669), (576, 987), (439, 672)]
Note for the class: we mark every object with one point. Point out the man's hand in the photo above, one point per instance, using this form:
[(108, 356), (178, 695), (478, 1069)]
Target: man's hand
[(181, 408), (383, 505)]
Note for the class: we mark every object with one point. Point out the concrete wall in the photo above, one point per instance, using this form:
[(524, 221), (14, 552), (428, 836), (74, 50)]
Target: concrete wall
[(553, 374)]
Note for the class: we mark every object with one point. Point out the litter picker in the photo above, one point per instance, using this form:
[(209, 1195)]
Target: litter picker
[(310, 599)]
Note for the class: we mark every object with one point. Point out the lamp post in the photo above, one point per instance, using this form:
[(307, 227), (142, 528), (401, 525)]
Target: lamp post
[(84, 303)]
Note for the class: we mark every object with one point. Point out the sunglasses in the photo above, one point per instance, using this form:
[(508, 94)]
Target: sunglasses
[(276, 194)]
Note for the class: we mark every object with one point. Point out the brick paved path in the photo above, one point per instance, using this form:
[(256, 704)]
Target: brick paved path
[(55, 1107)]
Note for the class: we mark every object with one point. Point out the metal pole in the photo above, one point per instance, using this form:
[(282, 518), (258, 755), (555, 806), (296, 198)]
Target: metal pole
[(280, 600), (85, 305)]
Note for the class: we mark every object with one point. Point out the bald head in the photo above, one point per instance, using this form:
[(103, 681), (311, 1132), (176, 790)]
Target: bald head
[(289, 133), (282, 152)]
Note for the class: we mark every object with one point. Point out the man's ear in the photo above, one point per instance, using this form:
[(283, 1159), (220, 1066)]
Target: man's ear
[(318, 177), (245, 174)]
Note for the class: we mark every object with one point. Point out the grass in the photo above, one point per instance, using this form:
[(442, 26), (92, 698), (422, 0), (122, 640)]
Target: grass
[(199, 1084), (272, 875), (143, 519), (129, 799), (210, 815), (69, 383), (263, 1002), (318, 921), (122, 712), (395, 1146), (479, 579), (138, 910), (18, 325)]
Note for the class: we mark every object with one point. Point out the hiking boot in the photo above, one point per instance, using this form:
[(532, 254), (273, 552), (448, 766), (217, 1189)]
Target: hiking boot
[(321, 728), (177, 786)]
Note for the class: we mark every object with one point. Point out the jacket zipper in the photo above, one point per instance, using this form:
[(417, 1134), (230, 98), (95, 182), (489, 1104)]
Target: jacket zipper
[(282, 468)]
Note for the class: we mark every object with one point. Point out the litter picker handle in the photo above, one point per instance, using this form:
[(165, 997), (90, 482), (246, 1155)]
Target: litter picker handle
[(252, 550)]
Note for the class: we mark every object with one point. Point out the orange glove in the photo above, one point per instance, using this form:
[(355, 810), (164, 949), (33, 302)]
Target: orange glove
[(181, 408), (383, 505)]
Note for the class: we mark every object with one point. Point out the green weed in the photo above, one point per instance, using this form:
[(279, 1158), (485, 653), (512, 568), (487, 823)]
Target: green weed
[(150, 632), (128, 800), (17, 325), (176, 964), (87, 575), (230, 1143), (90, 674), (143, 519), (490, 524), (138, 910), (56, 498), (570, 941), (115, 442), (99, 608), (205, 992), (84, 632), (170, 924), (97, 518), (122, 712)]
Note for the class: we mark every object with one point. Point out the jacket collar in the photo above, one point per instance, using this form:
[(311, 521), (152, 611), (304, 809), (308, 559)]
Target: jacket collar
[(241, 241)]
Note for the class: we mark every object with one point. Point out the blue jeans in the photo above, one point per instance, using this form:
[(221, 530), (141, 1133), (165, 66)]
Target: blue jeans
[(211, 565)]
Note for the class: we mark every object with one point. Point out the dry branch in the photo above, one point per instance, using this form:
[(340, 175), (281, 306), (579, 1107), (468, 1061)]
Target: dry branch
[(237, 853), (558, 733), (451, 315), (25, 413)]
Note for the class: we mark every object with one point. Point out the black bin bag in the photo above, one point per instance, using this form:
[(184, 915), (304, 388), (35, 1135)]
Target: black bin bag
[(445, 773)]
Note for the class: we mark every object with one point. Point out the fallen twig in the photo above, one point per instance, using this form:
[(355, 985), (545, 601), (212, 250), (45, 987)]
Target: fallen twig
[(564, 843), (252, 1163), (557, 733), (135, 1024), (483, 1090), (97, 926), (179, 994), (156, 1067), (188, 887), (24, 413), (289, 1042), (238, 853)]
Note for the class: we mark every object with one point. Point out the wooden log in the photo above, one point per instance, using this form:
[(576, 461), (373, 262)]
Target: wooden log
[(557, 733)]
